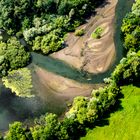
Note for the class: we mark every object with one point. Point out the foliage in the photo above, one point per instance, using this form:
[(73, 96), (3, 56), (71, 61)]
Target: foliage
[(12, 56), (128, 70), (136, 8), (79, 32), (86, 111), (131, 28), (47, 129), (1, 138), (42, 18), (48, 43), (19, 81), (97, 33), (126, 118), (18, 132)]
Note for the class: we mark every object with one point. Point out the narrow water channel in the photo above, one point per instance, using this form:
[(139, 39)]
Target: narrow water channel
[(14, 108), (59, 67)]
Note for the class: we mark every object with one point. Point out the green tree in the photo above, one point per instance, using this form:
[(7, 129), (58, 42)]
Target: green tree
[(18, 132), (12, 56), (48, 130), (20, 82)]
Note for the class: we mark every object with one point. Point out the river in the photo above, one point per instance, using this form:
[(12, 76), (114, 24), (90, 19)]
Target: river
[(14, 108)]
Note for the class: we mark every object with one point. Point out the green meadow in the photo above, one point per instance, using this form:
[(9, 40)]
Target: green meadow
[(124, 124)]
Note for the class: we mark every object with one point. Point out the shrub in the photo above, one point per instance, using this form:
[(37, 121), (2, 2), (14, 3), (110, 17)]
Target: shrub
[(79, 32), (97, 33)]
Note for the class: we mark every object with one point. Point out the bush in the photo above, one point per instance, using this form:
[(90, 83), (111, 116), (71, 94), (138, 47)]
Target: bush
[(40, 17), (79, 32), (128, 70), (131, 30), (97, 33), (86, 111)]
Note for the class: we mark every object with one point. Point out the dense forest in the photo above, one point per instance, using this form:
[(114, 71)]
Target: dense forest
[(28, 21), (44, 23)]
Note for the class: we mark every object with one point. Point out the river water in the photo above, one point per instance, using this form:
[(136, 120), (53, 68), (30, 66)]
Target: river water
[(14, 108)]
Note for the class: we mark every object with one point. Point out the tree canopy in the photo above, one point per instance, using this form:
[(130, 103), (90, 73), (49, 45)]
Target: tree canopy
[(85, 111), (12, 56), (20, 82), (44, 23), (131, 28)]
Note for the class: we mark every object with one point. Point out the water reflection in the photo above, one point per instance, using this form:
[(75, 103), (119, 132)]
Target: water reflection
[(13, 108)]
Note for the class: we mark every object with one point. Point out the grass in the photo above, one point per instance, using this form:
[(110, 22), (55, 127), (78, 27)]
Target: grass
[(124, 124)]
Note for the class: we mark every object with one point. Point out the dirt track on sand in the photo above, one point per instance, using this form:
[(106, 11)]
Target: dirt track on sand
[(86, 53)]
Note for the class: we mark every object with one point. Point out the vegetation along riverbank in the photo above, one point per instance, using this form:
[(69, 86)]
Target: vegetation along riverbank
[(106, 37)]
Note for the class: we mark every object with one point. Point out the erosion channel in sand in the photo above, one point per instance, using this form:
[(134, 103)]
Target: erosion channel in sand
[(88, 54)]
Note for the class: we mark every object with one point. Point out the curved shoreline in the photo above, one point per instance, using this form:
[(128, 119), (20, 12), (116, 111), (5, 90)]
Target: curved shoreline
[(98, 58), (61, 68), (55, 101), (53, 84), (66, 86), (83, 52)]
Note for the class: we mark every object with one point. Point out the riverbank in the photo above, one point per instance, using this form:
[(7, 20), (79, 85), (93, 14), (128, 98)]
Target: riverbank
[(61, 87), (88, 54), (23, 109), (99, 57)]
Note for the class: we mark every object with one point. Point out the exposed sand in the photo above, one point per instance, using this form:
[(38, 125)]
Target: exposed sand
[(86, 53), (47, 83)]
